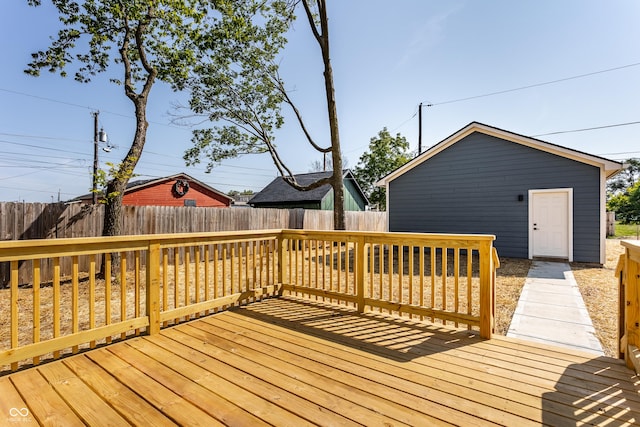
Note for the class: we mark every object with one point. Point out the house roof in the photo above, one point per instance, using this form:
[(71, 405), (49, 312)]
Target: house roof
[(143, 183), (278, 191), (609, 166)]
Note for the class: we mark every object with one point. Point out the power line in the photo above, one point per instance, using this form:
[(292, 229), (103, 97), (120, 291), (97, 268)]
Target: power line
[(18, 135), (586, 129), (71, 104), (531, 86)]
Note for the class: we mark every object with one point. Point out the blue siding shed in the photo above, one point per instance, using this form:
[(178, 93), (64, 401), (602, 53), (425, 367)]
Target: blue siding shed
[(539, 199)]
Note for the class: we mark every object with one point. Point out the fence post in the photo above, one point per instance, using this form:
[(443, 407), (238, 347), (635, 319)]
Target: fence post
[(360, 258), (153, 288), (486, 291)]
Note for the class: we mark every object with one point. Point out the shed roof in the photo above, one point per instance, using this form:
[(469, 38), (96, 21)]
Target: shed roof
[(278, 191), (610, 167), (143, 183)]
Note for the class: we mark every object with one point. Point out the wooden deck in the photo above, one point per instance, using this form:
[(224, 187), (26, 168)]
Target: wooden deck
[(291, 362)]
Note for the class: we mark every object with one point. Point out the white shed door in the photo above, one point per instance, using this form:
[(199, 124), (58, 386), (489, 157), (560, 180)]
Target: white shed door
[(549, 224)]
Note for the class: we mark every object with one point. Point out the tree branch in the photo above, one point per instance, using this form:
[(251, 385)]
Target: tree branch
[(312, 23), (289, 101), (151, 71)]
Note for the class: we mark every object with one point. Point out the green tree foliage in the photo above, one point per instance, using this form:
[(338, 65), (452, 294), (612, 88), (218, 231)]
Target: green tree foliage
[(234, 193), (626, 204), (386, 154), (245, 107), (143, 42), (623, 193), (626, 179)]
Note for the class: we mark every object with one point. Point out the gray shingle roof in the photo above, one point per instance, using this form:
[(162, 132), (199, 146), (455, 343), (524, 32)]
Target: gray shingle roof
[(279, 191)]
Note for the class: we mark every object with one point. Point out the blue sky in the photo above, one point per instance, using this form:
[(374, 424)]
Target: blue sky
[(386, 59)]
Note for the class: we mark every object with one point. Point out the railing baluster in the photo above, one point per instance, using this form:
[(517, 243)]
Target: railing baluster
[(36, 305), (411, 253), (107, 292), (421, 266), (74, 300), (187, 276), (14, 266), (432, 253), (92, 296), (196, 250), (137, 283), (176, 278), (469, 282), (123, 290), (390, 271), (56, 302), (401, 275), (216, 255), (224, 269), (207, 274), (165, 283), (380, 274), (456, 281)]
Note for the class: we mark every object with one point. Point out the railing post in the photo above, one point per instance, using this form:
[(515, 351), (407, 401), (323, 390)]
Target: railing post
[(632, 310), (283, 259), (486, 289), (153, 288), (360, 246)]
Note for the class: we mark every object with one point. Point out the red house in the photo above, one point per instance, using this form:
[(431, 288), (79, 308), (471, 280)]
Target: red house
[(174, 190)]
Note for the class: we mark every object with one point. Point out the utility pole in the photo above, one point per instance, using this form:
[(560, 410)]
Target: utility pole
[(94, 179), (420, 129)]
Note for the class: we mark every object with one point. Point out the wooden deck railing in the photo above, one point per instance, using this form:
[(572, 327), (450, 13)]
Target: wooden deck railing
[(160, 280), (435, 276), (628, 273)]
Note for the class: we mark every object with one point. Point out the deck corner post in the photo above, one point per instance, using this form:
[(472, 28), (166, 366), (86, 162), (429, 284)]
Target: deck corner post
[(632, 309), (486, 289), (360, 261), (153, 288)]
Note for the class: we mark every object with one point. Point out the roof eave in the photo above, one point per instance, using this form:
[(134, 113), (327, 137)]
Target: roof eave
[(609, 166)]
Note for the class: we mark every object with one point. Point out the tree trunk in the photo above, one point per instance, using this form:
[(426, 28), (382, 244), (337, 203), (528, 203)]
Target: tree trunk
[(112, 224), (336, 154)]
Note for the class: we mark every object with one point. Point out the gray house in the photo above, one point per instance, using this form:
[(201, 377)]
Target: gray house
[(539, 199)]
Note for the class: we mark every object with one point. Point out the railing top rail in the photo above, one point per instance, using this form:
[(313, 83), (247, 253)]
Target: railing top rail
[(633, 245), (39, 248), (42, 248), (393, 235)]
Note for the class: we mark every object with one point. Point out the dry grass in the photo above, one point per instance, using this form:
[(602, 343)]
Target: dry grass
[(510, 278), (599, 289)]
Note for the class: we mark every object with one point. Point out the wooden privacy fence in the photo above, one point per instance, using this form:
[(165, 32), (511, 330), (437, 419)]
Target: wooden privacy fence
[(25, 221), (449, 278), (628, 273)]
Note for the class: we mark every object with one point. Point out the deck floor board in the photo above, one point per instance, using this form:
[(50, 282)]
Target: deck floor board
[(292, 362)]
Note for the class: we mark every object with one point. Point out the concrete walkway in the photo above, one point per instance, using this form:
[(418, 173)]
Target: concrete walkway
[(551, 310)]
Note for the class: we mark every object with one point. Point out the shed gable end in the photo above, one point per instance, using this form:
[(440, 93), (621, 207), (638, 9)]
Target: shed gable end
[(474, 186)]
